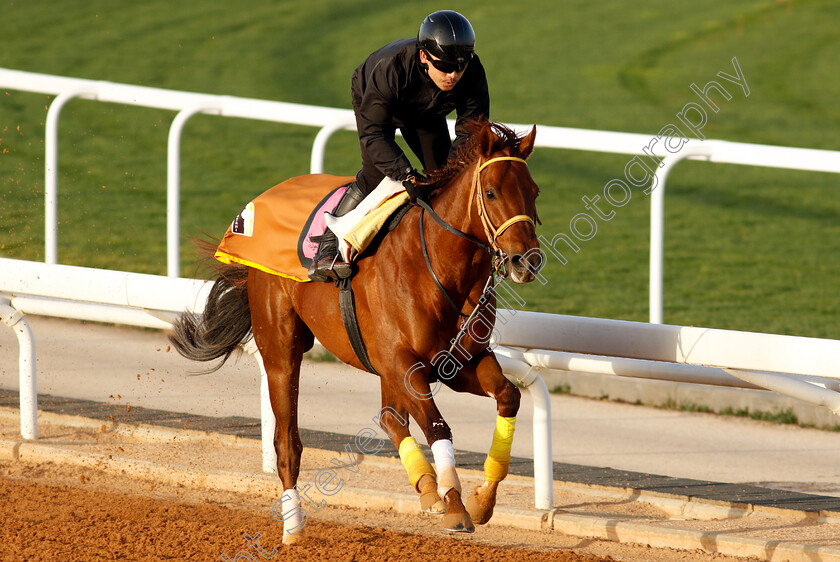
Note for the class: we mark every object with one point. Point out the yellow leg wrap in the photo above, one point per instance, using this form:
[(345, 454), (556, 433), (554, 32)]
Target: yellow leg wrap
[(414, 461), (498, 459)]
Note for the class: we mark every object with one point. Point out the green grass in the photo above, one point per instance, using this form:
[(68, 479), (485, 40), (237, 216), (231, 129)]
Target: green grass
[(562, 389), (746, 248), (782, 417)]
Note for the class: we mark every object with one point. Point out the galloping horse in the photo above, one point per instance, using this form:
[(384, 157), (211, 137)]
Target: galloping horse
[(412, 298)]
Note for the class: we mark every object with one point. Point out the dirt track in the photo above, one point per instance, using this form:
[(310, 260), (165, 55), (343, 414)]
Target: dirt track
[(46, 517), (55, 512), (88, 490)]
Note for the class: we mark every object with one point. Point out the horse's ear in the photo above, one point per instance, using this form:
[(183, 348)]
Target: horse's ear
[(486, 140), (526, 145)]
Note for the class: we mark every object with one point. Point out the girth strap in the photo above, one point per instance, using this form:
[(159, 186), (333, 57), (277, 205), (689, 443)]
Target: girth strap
[(347, 303)]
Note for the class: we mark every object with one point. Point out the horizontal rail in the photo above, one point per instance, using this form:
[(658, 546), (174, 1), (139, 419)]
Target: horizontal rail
[(102, 286), (315, 116), (675, 344), (815, 390), (174, 100)]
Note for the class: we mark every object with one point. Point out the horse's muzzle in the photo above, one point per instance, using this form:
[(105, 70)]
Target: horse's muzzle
[(525, 267)]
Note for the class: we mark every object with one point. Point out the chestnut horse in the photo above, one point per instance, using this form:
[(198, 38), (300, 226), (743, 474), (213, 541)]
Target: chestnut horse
[(412, 296)]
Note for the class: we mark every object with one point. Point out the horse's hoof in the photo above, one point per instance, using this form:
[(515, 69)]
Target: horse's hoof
[(430, 501), (456, 519), (458, 523), (481, 502)]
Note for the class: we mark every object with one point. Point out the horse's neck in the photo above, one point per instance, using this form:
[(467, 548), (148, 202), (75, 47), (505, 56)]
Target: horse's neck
[(453, 204), (467, 263)]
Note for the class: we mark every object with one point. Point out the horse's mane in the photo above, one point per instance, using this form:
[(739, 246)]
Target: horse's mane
[(467, 151)]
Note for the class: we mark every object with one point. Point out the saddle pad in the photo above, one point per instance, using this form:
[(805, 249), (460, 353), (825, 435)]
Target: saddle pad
[(265, 234), (356, 229), (360, 236)]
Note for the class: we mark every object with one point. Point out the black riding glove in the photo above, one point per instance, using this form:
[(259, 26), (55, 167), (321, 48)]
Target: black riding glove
[(415, 191)]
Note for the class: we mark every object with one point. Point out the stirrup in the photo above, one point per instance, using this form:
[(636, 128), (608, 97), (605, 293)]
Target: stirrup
[(342, 269), (335, 271), (323, 274)]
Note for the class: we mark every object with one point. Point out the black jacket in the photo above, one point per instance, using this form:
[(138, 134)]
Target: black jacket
[(391, 90)]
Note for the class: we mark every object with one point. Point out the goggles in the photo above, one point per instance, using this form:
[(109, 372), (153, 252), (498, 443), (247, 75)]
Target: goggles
[(449, 67)]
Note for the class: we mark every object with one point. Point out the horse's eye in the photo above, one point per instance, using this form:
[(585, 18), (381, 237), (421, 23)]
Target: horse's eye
[(489, 194)]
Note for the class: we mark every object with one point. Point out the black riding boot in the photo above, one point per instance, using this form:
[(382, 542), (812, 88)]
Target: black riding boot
[(327, 265)]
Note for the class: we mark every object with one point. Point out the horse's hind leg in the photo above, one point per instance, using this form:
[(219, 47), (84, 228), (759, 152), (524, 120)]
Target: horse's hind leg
[(282, 339)]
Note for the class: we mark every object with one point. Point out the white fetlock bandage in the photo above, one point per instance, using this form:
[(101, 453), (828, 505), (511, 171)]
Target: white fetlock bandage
[(445, 466), (294, 516)]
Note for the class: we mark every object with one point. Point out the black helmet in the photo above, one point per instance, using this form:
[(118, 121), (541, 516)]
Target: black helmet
[(448, 36)]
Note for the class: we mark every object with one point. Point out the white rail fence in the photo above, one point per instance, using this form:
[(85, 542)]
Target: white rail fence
[(331, 120), (804, 368)]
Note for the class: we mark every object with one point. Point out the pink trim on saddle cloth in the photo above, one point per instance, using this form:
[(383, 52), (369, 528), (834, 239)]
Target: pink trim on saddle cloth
[(319, 224)]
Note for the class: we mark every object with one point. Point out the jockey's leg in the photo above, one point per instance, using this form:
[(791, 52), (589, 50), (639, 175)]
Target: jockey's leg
[(327, 264)]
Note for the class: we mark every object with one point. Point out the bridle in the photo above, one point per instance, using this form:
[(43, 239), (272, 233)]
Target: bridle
[(491, 232), (476, 190)]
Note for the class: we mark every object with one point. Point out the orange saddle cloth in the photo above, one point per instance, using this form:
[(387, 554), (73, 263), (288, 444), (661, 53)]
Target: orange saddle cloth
[(266, 235)]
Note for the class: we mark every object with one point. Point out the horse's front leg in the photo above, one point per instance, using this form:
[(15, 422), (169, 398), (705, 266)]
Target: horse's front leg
[(483, 376), (414, 395), (393, 418)]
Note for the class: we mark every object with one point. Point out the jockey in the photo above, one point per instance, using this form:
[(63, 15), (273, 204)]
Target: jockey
[(410, 85)]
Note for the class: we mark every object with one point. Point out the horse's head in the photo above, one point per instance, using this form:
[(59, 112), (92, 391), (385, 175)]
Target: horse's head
[(503, 199)]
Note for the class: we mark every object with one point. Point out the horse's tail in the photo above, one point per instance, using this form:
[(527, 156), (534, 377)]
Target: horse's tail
[(225, 324)]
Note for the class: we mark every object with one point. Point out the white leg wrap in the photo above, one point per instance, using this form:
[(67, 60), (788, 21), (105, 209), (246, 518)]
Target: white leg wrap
[(294, 516), (445, 466)]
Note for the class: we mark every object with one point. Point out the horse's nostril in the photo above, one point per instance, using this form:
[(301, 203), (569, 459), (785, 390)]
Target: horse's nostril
[(535, 262), (531, 261)]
